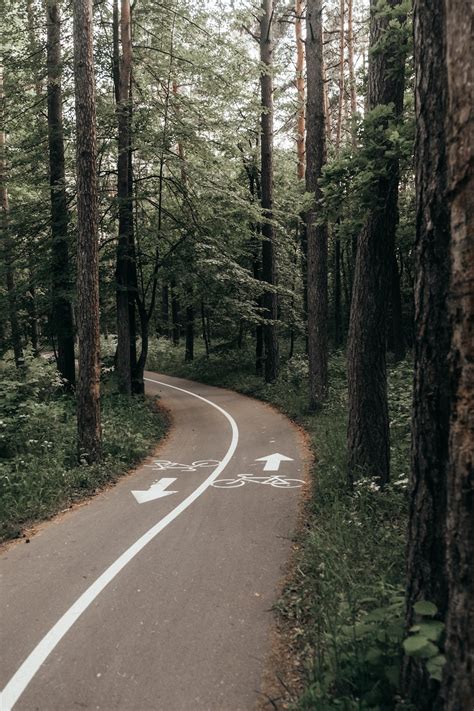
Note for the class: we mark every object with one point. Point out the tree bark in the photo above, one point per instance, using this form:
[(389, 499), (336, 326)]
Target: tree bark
[(165, 307), (368, 427), (189, 341), (175, 310), (88, 383), (397, 337), (337, 292), (300, 122), (256, 248), (316, 234), (7, 240), (350, 57), (205, 332), (125, 204), (426, 574), (62, 320), (270, 301), (341, 75), (31, 305), (458, 686)]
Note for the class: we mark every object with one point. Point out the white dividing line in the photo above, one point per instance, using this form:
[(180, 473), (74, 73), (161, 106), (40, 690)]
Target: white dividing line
[(20, 680)]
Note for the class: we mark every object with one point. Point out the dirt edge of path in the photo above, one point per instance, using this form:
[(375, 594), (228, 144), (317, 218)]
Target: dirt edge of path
[(282, 680)]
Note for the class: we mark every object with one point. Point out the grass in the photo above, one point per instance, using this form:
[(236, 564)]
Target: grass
[(39, 473), (343, 606)]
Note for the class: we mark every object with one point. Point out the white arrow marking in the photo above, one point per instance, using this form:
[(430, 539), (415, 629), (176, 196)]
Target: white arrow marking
[(156, 491), (273, 461)]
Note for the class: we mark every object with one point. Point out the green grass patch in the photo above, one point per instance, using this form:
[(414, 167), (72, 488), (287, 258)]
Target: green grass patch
[(344, 604), (39, 473)]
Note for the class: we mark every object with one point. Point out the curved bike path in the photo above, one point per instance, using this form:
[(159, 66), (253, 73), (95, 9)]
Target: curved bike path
[(163, 605)]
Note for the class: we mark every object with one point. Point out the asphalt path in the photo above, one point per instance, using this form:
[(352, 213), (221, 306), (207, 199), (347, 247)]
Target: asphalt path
[(145, 600)]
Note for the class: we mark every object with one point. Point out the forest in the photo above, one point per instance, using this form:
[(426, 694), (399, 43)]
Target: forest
[(274, 198)]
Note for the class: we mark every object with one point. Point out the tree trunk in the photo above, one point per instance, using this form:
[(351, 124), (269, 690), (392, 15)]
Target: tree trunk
[(317, 235), (257, 273), (31, 306), (205, 333), (62, 320), (88, 384), (458, 687), (368, 427), (138, 382), (396, 322), (165, 308), (430, 424), (256, 248), (337, 292), (350, 57), (7, 240), (189, 343), (341, 75), (175, 309), (300, 123), (125, 204), (327, 105), (33, 321), (270, 302)]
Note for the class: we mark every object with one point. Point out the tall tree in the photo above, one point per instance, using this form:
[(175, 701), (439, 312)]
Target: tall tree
[(175, 313), (31, 296), (300, 88), (337, 238), (458, 691), (426, 572), (368, 427), (341, 86), (122, 76), (7, 240), (269, 272), (62, 320), (316, 232), (350, 60), (88, 383)]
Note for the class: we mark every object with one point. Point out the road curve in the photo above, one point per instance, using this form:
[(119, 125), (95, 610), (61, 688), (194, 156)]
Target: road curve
[(146, 600)]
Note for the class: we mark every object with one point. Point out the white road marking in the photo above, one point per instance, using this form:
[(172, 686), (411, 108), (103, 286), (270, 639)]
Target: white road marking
[(273, 461), (279, 482), (165, 464), (156, 491), (22, 677)]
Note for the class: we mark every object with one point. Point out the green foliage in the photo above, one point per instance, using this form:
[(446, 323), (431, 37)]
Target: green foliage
[(39, 474), (424, 641)]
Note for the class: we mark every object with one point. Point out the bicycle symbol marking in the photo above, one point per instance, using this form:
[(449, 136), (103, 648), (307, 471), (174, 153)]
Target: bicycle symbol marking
[(166, 465), (278, 482)]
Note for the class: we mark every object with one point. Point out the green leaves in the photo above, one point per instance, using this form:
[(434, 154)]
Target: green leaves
[(424, 639), (431, 630), (435, 665), (413, 644), (425, 608)]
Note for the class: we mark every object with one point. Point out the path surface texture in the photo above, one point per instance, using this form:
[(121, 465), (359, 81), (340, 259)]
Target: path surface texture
[(156, 595)]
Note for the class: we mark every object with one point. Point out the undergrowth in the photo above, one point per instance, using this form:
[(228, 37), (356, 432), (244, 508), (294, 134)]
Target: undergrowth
[(39, 473), (343, 607)]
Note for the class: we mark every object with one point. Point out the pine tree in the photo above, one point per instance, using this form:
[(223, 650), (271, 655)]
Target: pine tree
[(458, 687), (368, 427), (270, 310), (316, 232), (88, 382)]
